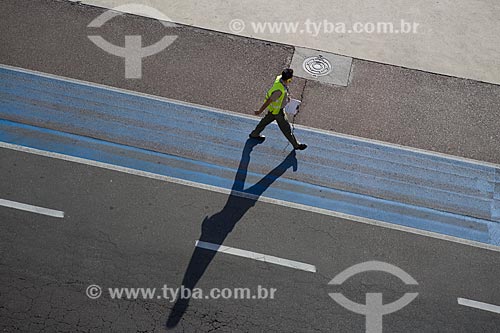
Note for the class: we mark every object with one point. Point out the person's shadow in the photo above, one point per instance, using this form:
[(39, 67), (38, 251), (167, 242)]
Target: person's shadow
[(216, 228)]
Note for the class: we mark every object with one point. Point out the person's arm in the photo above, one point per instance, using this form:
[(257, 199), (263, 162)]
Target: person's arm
[(274, 97)]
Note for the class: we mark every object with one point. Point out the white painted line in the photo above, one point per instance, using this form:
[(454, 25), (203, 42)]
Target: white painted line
[(256, 256), (283, 203), (479, 305), (31, 208), (256, 118)]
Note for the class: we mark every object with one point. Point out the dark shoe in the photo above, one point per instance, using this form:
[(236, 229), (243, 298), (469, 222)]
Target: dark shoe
[(301, 146), (258, 137)]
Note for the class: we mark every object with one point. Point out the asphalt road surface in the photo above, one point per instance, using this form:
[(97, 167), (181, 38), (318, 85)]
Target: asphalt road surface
[(122, 230)]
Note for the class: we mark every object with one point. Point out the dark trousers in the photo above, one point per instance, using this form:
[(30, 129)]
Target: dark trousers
[(283, 124)]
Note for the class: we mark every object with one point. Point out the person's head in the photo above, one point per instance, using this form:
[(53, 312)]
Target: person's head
[(287, 75)]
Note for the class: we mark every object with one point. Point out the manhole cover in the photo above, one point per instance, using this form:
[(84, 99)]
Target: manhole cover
[(317, 66)]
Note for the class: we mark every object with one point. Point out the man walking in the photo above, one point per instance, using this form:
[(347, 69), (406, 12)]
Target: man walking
[(276, 99)]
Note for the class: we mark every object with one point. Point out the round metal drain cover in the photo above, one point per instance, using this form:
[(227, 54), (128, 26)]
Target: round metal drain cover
[(317, 66)]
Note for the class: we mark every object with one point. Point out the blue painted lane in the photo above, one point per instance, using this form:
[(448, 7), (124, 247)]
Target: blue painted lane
[(338, 173)]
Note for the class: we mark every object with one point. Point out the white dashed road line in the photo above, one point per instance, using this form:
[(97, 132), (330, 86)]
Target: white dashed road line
[(31, 208), (479, 305), (256, 256)]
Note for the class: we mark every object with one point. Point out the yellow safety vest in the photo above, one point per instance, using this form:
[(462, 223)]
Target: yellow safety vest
[(275, 106)]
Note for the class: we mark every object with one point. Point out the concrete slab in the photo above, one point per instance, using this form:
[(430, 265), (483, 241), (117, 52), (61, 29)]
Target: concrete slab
[(459, 39), (321, 66)]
